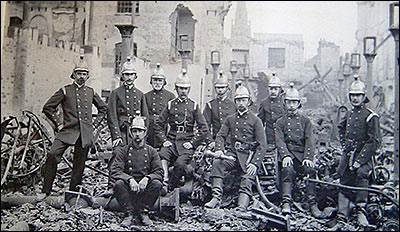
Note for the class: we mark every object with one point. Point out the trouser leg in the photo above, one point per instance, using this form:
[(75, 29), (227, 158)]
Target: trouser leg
[(122, 193), (50, 167), (146, 199), (80, 155)]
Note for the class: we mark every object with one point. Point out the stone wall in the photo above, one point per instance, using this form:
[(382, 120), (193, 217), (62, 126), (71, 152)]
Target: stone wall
[(373, 20), (294, 55), (33, 69)]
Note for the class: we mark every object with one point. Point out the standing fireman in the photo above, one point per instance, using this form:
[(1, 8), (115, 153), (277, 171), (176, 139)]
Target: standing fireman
[(138, 174), (182, 114), (248, 146), (124, 104), (218, 109), (359, 134), (156, 100), (76, 100), (294, 141), (271, 109)]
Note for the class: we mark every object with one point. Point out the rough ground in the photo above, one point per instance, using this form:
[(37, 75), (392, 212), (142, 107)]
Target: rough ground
[(43, 217)]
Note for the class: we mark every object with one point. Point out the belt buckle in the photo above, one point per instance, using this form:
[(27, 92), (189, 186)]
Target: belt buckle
[(238, 145), (180, 129)]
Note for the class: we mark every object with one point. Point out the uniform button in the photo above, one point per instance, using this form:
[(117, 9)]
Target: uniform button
[(130, 168), (129, 161), (79, 106), (288, 123), (288, 129), (145, 161), (127, 96), (127, 102), (154, 109), (128, 108)]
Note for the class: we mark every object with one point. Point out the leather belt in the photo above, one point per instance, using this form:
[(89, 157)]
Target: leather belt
[(181, 129), (240, 146)]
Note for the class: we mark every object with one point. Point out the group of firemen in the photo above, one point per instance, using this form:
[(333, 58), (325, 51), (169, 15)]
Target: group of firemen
[(154, 137)]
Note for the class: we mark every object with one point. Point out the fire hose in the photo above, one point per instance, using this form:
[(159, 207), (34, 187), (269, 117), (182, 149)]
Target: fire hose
[(376, 191)]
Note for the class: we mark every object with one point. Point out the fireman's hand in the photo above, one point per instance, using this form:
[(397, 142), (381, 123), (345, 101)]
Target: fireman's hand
[(188, 145), (143, 183), (167, 144), (59, 127), (218, 154), (356, 165), (287, 162), (251, 169), (134, 185), (117, 142), (308, 163), (211, 146)]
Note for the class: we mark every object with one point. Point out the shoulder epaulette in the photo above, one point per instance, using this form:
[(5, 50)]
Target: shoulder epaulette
[(371, 115), (169, 103), (64, 90)]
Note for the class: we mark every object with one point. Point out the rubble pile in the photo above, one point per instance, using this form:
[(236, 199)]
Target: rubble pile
[(42, 216)]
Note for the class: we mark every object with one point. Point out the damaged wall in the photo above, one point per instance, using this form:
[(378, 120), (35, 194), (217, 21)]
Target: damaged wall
[(33, 69)]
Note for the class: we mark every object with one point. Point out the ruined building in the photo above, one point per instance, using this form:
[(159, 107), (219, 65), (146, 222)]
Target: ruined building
[(42, 39)]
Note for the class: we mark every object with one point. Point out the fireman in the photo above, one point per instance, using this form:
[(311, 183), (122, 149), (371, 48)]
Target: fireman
[(271, 109), (156, 101), (359, 134), (248, 146), (294, 141), (77, 127), (124, 104), (218, 109), (182, 114)]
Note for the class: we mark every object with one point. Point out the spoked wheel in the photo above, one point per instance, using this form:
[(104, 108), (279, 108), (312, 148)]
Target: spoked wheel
[(24, 146)]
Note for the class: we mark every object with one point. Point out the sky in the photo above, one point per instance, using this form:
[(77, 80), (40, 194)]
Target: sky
[(334, 21)]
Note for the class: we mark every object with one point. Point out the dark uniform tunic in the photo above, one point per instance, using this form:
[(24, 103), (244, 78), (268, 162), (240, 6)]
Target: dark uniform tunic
[(182, 116), (136, 162), (77, 129), (247, 136), (123, 104), (156, 101), (358, 131), (293, 135), (269, 111), (216, 111)]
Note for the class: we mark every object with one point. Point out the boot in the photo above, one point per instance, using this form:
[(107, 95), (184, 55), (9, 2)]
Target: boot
[(217, 188), (286, 197), (341, 224), (164, 189), (343, 205), (127, 222), (145, 219), (286, 208), (361, 217), (243, 202), (315, 211), (343, 211)]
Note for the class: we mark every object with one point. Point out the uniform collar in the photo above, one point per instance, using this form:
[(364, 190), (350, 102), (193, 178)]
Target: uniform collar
[(79, 86), (138, 146), (180, 100), (222, 99), (358, 107), (242, 113), (129, 86), (293, 114)]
